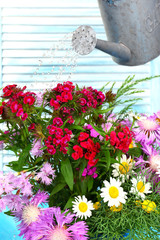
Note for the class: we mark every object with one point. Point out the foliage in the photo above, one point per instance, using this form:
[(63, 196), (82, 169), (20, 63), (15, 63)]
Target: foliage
[(69, 141)]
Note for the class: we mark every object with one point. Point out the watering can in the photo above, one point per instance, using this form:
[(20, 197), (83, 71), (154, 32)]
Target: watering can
[(132, 28)]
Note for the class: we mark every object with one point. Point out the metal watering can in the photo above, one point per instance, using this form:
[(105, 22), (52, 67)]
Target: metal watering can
[(132, 28)]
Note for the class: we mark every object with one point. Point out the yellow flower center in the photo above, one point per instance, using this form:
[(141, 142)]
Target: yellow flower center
[(148, 206), (124, 168), (131, 145), (113, 192), (116, 209), (96, 205), (83, 207), (140, 186)]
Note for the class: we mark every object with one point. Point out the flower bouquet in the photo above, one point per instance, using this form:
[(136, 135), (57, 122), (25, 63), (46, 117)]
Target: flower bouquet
[(82, 171)]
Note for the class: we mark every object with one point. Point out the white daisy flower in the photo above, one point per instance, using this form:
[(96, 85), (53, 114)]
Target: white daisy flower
[(82, 207), (113, 193), (124, 168), (140, 187)]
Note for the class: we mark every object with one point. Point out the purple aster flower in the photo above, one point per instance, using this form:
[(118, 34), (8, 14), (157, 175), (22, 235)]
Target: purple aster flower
[(45, 172), (150, 167), (54, 225), (153, 158), (30, 213), (148, 130), (36, 146)]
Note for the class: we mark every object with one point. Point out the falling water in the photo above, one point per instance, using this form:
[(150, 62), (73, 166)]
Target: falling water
[(60, 62)]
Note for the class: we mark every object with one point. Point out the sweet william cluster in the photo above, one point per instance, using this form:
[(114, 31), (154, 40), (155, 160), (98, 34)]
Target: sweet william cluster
[(18, 104)]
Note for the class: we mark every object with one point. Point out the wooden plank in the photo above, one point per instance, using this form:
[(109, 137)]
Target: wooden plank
[(48, 3)]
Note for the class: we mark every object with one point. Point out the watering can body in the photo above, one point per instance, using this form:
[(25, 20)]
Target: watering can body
[(134, 24)]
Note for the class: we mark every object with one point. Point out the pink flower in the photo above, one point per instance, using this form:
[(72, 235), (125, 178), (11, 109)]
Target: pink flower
[(15, 106), (45, 172), (51, 150), (36, 148), (82, 101), (57, 121), (54, 104), (66, 96), (29, 100), (20, 112), (24, 116)]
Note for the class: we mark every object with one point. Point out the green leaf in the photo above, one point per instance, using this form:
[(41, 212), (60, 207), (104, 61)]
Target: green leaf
[(67, 172), (69, 203), (90, 184), (83, 185), (72, 127), (104, 110), (83, 165), (57, 188), (23, 156)]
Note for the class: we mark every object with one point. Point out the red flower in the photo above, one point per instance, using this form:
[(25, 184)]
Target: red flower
[(71, 120), (15, 106), (122, 139), (66, 96), (1, 110), (107, 137), (57, 121), (89, 144), (31, 127), (78, 152), (83, 136), (82, 101), (93, 162), (24, 116), (51, 150), (20, 112), (29, 100), (54, 104)]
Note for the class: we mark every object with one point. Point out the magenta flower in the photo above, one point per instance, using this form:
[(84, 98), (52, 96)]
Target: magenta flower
[(57, 121), (90, 171), (45, 173), (36, 148), (54, 225), (93, 132)]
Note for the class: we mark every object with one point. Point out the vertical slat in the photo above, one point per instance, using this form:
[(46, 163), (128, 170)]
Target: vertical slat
[(155, 86)]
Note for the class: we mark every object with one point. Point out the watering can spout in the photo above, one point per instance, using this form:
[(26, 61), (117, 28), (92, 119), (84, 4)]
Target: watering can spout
[(117, 50), (84, 41)]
